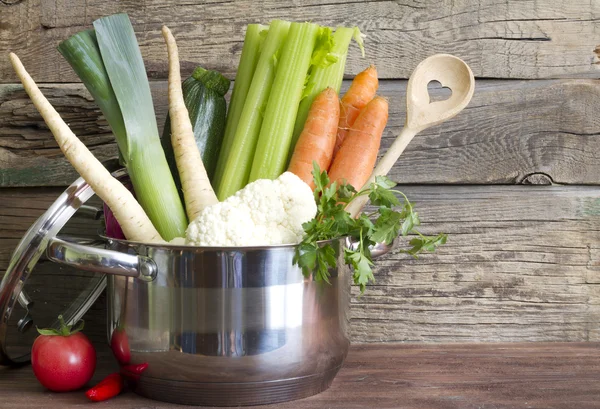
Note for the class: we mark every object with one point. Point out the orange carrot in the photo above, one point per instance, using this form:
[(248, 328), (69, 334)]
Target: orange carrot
[(358, 153), (318, 137), (361, 91)]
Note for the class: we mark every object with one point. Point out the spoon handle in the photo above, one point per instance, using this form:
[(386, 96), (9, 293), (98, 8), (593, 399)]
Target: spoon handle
[(383, 167)]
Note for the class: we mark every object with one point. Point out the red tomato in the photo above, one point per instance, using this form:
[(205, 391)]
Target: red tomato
[(63, 362), (119, 343)]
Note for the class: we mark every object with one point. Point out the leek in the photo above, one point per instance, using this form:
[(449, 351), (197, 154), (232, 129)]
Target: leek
[(326, 72), (238, 161), (255, 35), (270, 158), (141, 148), (82, 52)]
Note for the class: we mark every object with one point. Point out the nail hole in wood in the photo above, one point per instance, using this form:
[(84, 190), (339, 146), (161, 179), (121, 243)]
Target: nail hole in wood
[(537, 179), (11, 2)]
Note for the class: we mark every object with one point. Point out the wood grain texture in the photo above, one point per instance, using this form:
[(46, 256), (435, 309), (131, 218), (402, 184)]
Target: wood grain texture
[(539, 132), (459, 376), (507, 39), (521, 264)]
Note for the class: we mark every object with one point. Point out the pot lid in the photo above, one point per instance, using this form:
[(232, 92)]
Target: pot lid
[(35, 291)]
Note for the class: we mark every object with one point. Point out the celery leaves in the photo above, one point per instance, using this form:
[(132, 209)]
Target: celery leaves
[(322, 56)]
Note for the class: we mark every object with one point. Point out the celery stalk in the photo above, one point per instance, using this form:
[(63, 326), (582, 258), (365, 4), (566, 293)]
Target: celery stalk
[(324, 75), (255, 35), (275, 135), (144, 156), (237, 164)]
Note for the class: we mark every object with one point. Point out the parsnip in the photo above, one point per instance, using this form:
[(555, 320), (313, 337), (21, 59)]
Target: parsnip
[(133, 220), (197, 190)]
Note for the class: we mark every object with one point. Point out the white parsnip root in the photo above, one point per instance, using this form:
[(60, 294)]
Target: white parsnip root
[(197, 190), (133, 220)]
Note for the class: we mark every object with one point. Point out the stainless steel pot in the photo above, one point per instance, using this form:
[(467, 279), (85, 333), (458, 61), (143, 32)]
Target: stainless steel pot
[(215, 326), (222, 326)]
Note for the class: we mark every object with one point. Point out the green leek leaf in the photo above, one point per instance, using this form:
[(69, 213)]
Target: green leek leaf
[(145, 158), (82, 52)]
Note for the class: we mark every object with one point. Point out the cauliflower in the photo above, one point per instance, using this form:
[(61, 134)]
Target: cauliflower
[(264, 212)]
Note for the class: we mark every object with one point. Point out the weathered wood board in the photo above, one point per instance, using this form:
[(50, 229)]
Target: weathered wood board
[(510, 39), (521, 264), (463, 376), (513, 253), (510, 131)]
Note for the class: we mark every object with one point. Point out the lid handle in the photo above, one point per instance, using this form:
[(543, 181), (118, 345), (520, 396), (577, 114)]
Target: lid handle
[(100, 260)]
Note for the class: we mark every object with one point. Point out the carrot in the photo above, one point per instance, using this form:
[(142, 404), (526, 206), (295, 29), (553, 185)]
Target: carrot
[(361, 91), (133, 220), (358, 153), (197, 190), (316, 140)]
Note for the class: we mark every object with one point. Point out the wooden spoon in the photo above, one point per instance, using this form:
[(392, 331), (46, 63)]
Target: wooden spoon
[(451, 72)]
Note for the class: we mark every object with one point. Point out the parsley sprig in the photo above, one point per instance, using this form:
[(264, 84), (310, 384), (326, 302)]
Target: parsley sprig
[(393, 217)]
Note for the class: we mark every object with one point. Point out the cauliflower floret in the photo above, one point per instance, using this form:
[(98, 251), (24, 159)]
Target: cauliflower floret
[(225, 224), (298, 201), (263, 195), (264, 212)]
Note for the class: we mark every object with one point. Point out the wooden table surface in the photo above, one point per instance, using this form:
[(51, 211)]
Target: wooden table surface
[(434, 376)]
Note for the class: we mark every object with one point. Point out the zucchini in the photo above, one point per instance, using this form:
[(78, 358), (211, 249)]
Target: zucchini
[(204, 97)]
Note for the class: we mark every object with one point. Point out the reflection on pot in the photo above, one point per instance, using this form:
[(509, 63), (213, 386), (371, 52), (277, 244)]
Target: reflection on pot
[(133, 372), (119, 343)]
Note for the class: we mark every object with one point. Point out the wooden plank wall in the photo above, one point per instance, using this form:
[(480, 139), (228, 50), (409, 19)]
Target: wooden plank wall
[(513, 179)]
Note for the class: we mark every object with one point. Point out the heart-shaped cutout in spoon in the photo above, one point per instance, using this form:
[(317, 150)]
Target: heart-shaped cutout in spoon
[(450, 72), (437, 92)]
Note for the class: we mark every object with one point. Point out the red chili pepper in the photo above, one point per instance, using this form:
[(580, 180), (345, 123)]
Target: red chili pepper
[(108, 387), (134, 369)]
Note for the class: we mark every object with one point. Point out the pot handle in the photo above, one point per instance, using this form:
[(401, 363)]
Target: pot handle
[(100, 260), (381, 249), (377, 250)]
